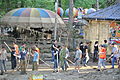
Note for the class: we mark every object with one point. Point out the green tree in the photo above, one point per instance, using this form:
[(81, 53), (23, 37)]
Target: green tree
[(7, 5)]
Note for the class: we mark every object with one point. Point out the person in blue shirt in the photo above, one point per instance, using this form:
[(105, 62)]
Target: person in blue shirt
[(23, 61), (35, 60)]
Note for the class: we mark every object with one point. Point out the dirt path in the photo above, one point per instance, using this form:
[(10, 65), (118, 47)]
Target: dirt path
[(86, 73)]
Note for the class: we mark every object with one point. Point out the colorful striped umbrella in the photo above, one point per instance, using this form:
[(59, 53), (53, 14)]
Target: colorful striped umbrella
[(32, 17)]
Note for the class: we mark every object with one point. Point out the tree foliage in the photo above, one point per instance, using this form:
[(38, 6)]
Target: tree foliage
[(7, 5)]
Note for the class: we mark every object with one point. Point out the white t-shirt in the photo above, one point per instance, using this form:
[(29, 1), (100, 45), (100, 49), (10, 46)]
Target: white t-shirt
[(3, 55), (118, 54), (78, 53)]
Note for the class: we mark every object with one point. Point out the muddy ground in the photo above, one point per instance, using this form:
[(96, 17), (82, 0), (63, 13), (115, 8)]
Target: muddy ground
[(86, 73)]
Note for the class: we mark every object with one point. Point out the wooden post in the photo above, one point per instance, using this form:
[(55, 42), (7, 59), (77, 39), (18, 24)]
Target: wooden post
[(70, 34), (55, 30)]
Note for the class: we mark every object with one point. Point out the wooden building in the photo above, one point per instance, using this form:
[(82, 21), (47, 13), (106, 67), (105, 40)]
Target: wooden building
[(100, 24)]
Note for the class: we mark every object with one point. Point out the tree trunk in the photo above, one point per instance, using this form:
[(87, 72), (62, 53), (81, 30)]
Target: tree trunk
[(22, 3), (70, 20), (8, 5), (60, 4), (97, 3)]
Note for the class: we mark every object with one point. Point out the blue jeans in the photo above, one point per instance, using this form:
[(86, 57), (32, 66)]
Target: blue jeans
[(84, 60), (65, 65), (2, 65), (101, 62), (55, 64), (52, 55), (113, 61)]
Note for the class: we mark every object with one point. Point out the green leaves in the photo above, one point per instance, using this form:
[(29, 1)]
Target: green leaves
[(7, 5)]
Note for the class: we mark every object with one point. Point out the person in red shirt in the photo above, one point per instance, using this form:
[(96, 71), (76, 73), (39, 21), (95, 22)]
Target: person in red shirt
[(102, 57), (16, 48)]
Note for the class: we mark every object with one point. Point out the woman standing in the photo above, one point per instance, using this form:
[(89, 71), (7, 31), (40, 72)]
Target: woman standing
[(96, 50)]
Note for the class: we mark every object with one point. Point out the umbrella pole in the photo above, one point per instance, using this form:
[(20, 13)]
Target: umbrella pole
[(55, 30)]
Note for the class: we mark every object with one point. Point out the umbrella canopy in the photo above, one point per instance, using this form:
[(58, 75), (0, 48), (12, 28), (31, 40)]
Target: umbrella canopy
[(32, 17)]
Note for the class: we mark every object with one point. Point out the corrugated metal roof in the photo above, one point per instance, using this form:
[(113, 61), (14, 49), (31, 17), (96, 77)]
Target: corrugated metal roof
[(109, 13)]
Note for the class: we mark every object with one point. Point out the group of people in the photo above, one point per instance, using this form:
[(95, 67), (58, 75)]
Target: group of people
[(82, 55), (60, 56), (19, 57), (100, 52)]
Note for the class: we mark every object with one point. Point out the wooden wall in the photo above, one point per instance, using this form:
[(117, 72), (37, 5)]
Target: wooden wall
[(97, 31)]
